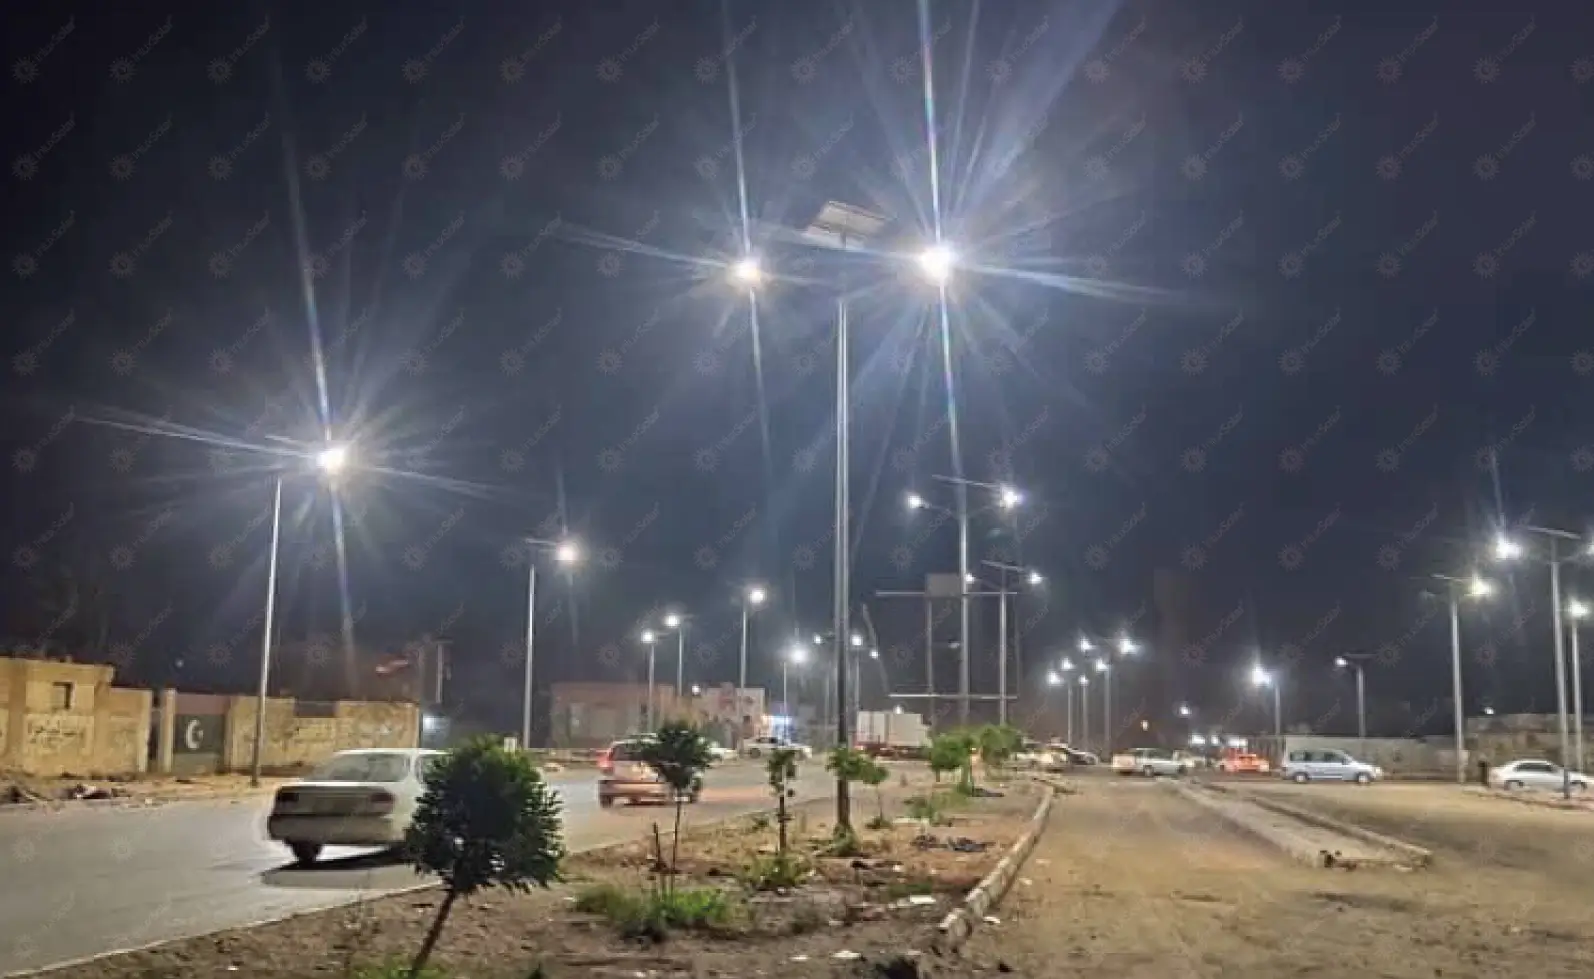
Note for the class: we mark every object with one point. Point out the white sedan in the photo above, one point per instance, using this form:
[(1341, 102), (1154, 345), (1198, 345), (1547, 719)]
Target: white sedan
[(355, 798), (1534, 774)]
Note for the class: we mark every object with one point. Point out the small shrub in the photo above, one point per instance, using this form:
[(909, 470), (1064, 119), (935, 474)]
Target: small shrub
[(781, 871), (758, 823), (923, 808), (843, 844), (879, 823), (652, 915)]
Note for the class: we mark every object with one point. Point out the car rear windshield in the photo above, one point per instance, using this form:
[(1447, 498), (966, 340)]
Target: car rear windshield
[(626, 751), (365, 766)]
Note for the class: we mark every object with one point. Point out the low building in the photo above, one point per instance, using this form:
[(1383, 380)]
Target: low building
[(591, 715)]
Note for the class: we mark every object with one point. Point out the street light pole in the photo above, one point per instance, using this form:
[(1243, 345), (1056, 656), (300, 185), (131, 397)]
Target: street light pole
[(1084, 710), (531, 646), (652, 640), (265, 650), (1361, 698), (753, 597), (1575, 613), (1507, 549), (1001, 650)]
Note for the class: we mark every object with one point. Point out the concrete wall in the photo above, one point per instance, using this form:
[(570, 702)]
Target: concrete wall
[(297, 737), (67, 719), (1398, 756), (1514, 737), (591, 715)]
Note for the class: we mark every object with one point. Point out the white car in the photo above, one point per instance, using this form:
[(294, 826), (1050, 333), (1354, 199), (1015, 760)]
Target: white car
[(761, 747), (1328, 766), (354, 798), (1149, 762), (1535, 774), (719, 752)]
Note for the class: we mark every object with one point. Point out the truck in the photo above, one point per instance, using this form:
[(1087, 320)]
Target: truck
[(887, 734)]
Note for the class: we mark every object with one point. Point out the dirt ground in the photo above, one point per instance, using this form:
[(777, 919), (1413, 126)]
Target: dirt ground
[(856, 905), (1133, 882)]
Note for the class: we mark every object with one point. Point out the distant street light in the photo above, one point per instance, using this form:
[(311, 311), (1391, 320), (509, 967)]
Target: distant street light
[(1455, 589), (651, 639), (748, 272), (796, 656), (676, 622), (1343, 663), (1576, 611), (1262, 678), (937, 262), (753, 598), (566, 553)]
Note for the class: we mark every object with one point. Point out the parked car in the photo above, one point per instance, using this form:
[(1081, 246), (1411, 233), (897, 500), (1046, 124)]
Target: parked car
[(1034, 756), (1535, 774), (1074, 756), (1149, 762), (354, 798), (622, 774), (1312, 766), (761, 746), (1241, 762), (720, 752)]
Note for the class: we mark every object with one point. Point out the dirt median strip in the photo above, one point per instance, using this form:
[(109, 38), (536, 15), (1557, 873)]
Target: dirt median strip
[(1418, 856), (1310, 843), (957, 926)]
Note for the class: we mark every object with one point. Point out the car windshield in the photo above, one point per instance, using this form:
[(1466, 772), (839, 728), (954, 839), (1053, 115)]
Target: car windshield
[(626, 751), (364, 766)]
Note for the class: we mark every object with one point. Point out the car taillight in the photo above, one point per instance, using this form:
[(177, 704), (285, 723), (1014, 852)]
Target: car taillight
[(606, 763)]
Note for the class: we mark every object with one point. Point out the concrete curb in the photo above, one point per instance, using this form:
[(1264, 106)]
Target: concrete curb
[(1419, 856), (956, 927), (1527, 800), (129, 802), (1289, 847)]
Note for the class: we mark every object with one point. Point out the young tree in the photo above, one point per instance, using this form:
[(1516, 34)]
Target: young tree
[(680, 754), (953, 752), (998, 743), (486, 819), (874, 776), (782, 767)]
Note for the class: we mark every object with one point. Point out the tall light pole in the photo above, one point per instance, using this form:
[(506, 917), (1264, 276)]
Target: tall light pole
[(566, 553), (1066, 667), (1455, 590), (1354, 662), (1084, 710), (1576, 611), (751, 599), (330, 461), (1507, 550), (1104, 667), (676, 622), (796, 655), (1033, 578), (651, 639), (1262, 678)]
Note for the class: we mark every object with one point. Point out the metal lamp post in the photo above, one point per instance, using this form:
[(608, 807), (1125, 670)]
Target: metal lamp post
[(799, 656), (1262, 678), (567, 553), (1507, 550), (1066, 667), (676, 622), (330, 461), (1354, 662), (1455, 590), (651, 639), (753, 598), (1084, 710), (1576, 611), (1034, 578)]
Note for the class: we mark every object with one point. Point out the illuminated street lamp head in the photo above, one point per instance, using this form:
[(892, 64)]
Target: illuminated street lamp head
[(1577, 609), (332, 459), (856, 640), (1084, 680), (1102, 666), (568, 552), (969, 578), (649, 637), (1085, 645), (874, 654), (756, 596), (936, 262), (915, 501), (1036, 578), (1480, 588), (697, 690), (1127, 646), (1260, 677), (798, 655), (1067, 665), (1009, 497), (1052, 679), (1184, 710), (1506, 549), (672, 621), (1341, 662), (818, 639), (748, 272)]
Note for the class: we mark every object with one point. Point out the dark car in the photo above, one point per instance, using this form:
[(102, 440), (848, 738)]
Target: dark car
[(622, 774)]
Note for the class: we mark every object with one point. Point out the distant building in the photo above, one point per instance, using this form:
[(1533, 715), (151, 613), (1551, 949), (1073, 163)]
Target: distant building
[(591, 715)]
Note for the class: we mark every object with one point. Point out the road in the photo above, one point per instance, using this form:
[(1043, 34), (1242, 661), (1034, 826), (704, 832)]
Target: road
[(84, 881)]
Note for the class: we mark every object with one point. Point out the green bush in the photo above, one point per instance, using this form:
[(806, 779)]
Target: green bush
[(779, 871), (651, 915)]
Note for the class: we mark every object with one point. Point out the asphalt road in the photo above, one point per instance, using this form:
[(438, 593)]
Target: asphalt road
[(79, 882)]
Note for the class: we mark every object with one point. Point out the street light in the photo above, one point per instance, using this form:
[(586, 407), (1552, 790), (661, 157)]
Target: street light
[(1065, 667), (1262, 678), (651, 638), (748, 272), (1345, 663), (1457, 588), (1084, 709), (1184, 710), (1002, 594), (796, 655), (1008, 497), (751, 599), (1036, 578), (676, 622), (916, 502), (1575, 612), (1505, 550), (566, 553), (1104, 667), (937, 262), (329, 462)]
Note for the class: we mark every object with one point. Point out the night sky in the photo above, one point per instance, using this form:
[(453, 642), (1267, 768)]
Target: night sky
[(1271, 310)]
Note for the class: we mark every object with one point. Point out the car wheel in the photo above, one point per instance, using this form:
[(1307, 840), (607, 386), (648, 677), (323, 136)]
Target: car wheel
[(1183, 769), (1149, 772), (305, 853), (754, 753), (1301, 777), (1362, 778), (1579, 786), (606, 801), (1513, 785)]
